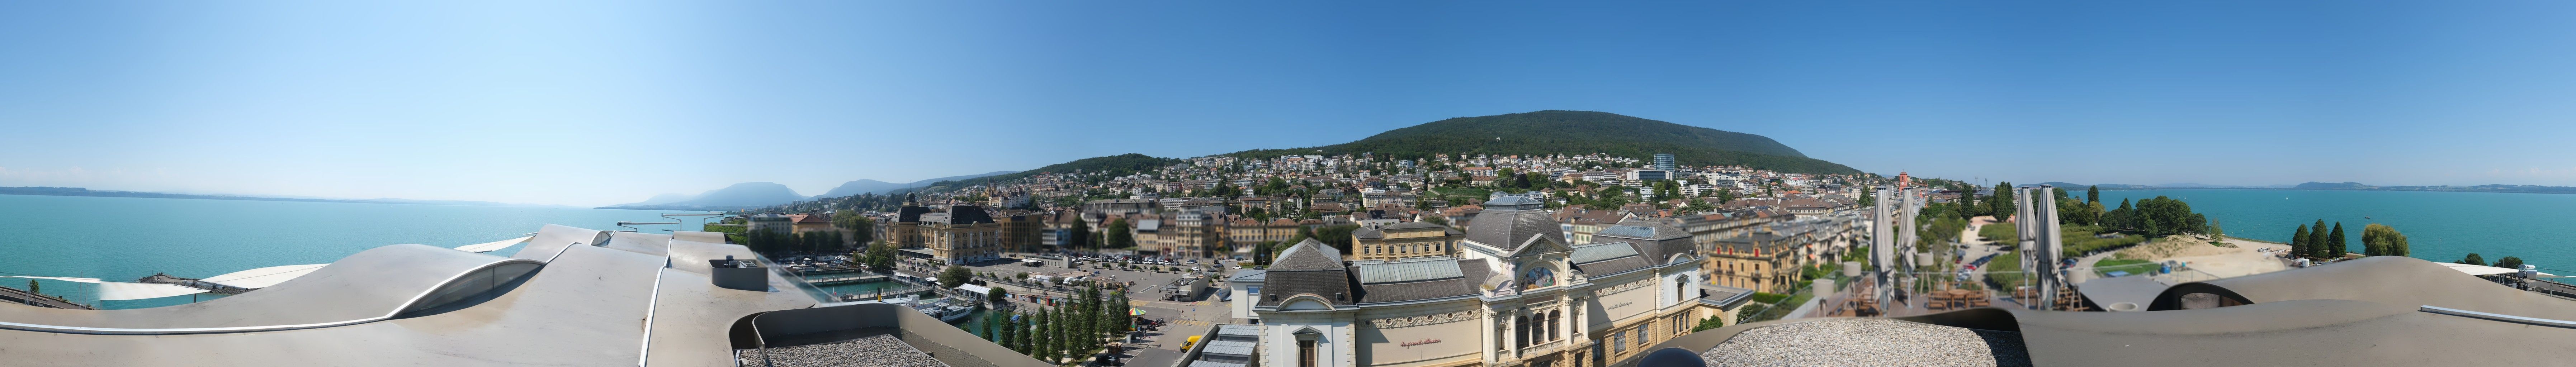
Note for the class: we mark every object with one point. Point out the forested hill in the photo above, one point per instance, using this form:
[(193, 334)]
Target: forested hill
[(1116, 165), (1576, 132)]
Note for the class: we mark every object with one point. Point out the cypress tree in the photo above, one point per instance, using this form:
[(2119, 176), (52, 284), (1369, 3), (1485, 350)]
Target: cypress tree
[(2334, 240), (2093, 194), (1043, 347), (992, 327), (1017, 334), (2299, 243), (2317, 239)]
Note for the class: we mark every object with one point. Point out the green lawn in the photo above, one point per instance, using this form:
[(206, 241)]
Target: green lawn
[(2133, 266), (2004, 233), (2005, 270), (2080, 241)]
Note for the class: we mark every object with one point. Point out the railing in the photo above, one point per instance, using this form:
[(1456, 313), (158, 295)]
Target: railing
[(2498, 317)]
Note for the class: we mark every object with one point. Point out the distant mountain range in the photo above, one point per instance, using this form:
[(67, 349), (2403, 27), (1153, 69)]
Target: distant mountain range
[(760, 194), (76, 191), (866, 186), (741, 195), (2185, 185), (2351, 186), (1576, 132)]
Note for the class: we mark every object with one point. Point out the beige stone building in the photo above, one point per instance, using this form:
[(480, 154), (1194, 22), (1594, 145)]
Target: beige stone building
[(1403, 241), (1517, 295), (963, 234)]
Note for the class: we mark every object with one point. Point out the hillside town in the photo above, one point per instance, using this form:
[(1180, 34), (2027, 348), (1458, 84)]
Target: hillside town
[(1230, 207)]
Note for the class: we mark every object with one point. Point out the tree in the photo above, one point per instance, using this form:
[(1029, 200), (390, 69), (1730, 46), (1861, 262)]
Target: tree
[(992, 326), (1712, 322), (2474, 259), (2001, 205), (864, 228), (2093, 194), (880, 256), (2299, 243), (1866, 198), (954, 276), (2216, 234), (2509, 262), (1081, 234), (33, 288), (1016, 336), (2334, 240), (996, 297), (1119, 235), (2382, 240), (1119, 307), (1042, 339), (2317, 240)]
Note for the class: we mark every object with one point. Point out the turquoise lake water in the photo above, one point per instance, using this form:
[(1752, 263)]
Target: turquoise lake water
[(2439, 226), (120, 239)]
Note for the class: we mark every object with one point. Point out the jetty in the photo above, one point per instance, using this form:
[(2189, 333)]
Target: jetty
[(846, 279), (14, 295), (210, 287)]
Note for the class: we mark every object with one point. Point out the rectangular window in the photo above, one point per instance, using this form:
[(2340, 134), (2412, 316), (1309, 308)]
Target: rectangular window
[(1305, 353), (1619, 341)]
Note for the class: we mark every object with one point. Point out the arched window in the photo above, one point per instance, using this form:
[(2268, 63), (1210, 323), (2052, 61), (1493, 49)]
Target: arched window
[(1557, 324), (1681, 289), (1538, 277)]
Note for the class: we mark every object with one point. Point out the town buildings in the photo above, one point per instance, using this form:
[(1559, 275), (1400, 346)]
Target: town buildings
[(1517, 295), (1402, 240)]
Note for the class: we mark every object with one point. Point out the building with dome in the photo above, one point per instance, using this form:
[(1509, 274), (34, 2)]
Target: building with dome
[(1516, 294)]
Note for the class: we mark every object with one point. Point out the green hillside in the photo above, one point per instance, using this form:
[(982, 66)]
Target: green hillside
[(1576, 132), (1116, 165)]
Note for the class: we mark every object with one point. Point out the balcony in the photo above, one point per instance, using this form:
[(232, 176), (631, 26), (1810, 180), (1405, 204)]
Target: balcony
[(1543, 348)]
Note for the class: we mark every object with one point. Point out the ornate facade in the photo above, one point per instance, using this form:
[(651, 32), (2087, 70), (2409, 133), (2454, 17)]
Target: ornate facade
[(1516, 294)]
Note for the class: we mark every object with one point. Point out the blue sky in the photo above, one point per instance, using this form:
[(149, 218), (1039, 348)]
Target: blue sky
[(546, 102)]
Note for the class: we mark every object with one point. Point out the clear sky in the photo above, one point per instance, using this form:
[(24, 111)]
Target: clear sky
[(603, 103)]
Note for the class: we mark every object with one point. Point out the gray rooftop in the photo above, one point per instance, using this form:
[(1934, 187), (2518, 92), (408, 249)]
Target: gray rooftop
[(1214, 364), (1409, 270), (1599, 252), (1508, 226), (1228, 348), (1249, 275)]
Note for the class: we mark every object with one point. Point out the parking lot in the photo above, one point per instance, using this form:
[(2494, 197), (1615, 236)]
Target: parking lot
[(1159, 347)]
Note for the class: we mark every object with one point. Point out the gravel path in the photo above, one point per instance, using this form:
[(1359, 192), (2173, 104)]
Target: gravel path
[(1868, 342), (874, 351)]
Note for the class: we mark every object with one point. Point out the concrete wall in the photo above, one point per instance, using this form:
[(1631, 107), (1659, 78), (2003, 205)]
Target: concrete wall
[(1457, 340), (1335, 347)]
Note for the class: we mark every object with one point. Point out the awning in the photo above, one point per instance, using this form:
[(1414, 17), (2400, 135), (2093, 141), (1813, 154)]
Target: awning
[(973, 289), (264, 277), (494, 245), (119, 291)]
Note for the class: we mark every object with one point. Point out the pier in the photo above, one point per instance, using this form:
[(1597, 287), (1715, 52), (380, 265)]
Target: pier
[(14, 295), (210, 287), (846, 279)]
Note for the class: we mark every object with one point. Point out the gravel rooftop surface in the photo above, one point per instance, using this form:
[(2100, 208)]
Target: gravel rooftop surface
[(874, 351), (1868, 342)]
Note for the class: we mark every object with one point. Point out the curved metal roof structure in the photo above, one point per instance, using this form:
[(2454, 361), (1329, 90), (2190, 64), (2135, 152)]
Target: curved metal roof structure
[(588, 298), (372, 285), (2377, 311)]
